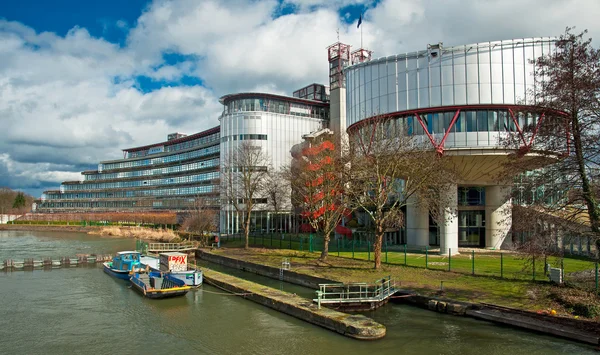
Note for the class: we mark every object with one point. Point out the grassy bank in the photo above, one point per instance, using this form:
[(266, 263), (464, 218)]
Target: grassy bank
[(159, 235), (163, 235), (500, 264), (521, 294)]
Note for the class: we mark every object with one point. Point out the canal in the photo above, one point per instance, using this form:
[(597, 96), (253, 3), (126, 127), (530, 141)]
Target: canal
[(83, 310)]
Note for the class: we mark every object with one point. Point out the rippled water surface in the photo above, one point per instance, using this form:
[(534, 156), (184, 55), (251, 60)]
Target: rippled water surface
[(82, 310)]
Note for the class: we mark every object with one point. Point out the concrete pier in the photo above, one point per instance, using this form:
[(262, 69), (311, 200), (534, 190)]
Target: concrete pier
[(353, 326), (64, 262)]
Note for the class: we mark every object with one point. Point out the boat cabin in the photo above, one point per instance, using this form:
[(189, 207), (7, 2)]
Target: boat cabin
[(126, 260)]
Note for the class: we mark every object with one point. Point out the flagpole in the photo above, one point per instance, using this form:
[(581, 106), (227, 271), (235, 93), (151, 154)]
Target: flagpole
[(361, 41)]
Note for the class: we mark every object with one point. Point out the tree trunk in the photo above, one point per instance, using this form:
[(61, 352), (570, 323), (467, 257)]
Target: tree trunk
[(325, 251), (587, 190), (377, 247), (247, 231)]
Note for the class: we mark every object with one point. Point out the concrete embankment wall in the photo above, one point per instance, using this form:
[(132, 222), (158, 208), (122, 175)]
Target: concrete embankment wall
[(263, 270), (353, 326), (578, 330)]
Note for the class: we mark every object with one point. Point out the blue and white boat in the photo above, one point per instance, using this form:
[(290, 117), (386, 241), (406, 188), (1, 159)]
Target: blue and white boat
[(191, 278), (122, 264)]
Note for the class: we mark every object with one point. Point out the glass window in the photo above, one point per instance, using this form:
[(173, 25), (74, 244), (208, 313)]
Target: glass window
[(471, 121), (482, 121)]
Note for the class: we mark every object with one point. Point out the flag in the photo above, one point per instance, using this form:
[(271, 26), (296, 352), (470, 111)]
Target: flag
[(359, 21)]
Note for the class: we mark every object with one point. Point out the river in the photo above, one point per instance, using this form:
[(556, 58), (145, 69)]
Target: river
[(82, 310)]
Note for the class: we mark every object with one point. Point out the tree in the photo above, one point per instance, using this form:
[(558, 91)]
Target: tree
[(19, 201), (201, 219), (317, 179), (244, 176), (387, 168), (277, 192), (567, 97)]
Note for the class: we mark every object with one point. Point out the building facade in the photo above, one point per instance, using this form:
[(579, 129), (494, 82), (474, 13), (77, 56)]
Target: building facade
[(275, 124), (162, 176), (465, 101)]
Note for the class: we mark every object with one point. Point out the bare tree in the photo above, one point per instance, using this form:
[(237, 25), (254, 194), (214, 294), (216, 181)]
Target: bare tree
[(388, 166), (244, 176), (278, 192), (567, 108), (317, 179), (201, 219)]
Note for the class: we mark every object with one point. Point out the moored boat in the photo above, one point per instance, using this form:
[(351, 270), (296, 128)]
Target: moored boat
[(122, 264), (157, 285), (176, 265)]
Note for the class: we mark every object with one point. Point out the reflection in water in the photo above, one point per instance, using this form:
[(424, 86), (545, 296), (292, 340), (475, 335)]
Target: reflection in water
[(83, 310)]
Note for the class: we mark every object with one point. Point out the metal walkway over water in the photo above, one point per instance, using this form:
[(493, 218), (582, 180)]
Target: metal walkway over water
[(167, 247), (356, 296), (62, 262)]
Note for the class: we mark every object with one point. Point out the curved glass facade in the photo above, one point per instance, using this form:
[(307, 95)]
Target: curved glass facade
[(472, 128), (273, 123), (484, 73)]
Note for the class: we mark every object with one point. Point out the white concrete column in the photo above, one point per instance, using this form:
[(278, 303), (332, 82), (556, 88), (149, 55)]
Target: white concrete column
[(498, 216), (417, 223), (449, 216)]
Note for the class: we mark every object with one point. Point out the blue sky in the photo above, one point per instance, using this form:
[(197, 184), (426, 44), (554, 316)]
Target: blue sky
[(81, 80)]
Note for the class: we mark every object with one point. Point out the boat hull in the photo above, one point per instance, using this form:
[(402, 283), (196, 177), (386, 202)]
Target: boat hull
[(119, 274), (143, 285), (191, 278)]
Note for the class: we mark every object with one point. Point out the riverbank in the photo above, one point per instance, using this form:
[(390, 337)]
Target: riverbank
[(353, 326), (159, 235), (304, 274)]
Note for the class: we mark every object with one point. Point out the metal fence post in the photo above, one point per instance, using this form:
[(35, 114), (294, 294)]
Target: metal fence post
[(501, 265), (301, 246), (596, 277), (271, 240), (352, 247), (310, 246), (386, 252), (281, 242), (473, 262), (290, 238), (405, 255), (369, 251), (426, 257), (449, 259), (338, 247)]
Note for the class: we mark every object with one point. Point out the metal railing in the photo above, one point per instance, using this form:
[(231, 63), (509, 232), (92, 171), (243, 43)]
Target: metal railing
[(171, 246), (353, 292)]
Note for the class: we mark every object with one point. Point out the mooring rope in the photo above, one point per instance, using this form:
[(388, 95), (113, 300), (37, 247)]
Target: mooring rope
[(225, 294)]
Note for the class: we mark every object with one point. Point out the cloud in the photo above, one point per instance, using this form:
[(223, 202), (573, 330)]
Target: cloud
[(67, 103)]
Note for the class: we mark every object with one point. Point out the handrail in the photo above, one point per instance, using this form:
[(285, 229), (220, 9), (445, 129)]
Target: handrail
[(357, 291)]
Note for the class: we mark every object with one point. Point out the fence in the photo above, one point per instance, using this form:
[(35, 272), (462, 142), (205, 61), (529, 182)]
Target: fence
[(579, 271)]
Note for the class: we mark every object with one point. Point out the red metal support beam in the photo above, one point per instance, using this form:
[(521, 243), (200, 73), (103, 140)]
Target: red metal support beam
[(440, 148), (537, 127), (426, 130), (512, 115)]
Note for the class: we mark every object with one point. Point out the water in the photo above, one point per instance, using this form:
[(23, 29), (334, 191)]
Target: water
[(82, 310)]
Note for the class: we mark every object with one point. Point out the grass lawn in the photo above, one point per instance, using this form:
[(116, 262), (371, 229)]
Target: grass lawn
[(505, 265), (523, 294)]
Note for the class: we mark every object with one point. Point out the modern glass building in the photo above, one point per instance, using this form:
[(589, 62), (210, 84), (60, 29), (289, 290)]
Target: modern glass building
[(464, 102), (275, 124), (166, 175)]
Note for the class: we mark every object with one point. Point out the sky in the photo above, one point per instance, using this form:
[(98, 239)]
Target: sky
[(81, 80)]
